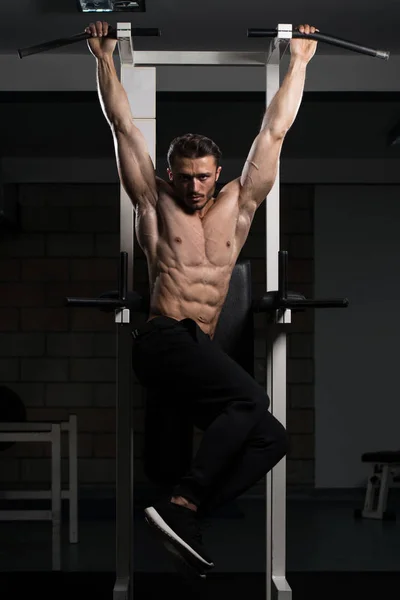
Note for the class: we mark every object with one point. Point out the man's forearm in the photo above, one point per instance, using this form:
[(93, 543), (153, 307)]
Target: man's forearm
[(113, 98), (284, 107)]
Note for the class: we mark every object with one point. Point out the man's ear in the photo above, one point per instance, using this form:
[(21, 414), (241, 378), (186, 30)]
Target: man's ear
[(170, 175), (218, 173)]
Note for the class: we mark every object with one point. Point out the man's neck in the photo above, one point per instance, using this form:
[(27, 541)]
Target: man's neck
[(206, 208)]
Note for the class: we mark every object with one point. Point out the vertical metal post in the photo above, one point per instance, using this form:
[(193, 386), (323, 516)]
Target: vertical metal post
[(276, 584), (140, 86), (123, 588), (73, 479), (56, 495)]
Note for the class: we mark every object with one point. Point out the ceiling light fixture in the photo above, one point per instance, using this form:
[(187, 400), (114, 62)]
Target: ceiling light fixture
[(90, 6)]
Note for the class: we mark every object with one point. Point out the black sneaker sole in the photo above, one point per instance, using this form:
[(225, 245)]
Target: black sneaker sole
[(184, 567), (188, 554)]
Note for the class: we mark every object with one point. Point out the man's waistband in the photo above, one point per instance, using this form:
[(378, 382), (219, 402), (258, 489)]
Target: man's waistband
[(161, 323)]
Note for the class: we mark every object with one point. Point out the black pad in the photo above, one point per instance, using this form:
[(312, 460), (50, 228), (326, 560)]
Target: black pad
[(235, 329), (168, 447), (385, 456)]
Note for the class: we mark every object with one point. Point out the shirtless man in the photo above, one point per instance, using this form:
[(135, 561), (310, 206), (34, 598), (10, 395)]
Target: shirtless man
[(192, 240)]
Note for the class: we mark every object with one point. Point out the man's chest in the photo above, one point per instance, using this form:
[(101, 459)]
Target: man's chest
[(194, 241)]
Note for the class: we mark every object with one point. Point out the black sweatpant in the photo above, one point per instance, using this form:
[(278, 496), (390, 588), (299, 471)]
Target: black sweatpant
[(242, 440)]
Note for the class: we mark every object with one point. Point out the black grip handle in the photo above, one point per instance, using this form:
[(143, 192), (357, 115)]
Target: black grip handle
[(331, 303), (94, 302), (276, 301), (326, 38), (79, 37)]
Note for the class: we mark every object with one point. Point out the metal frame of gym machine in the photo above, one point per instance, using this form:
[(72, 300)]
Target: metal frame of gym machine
[(139, 80), (141, 92)]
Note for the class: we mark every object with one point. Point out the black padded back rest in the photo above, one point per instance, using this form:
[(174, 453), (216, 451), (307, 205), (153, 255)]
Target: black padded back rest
[(235, 329)]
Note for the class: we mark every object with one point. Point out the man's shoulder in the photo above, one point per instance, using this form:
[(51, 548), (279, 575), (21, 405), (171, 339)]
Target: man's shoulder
[(232, 188)]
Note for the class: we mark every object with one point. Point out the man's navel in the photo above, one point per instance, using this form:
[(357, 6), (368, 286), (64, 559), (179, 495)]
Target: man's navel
[(178, 240)]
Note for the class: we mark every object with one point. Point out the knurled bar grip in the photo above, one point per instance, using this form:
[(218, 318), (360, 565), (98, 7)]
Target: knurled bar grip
[(323, 37), (79, 37)]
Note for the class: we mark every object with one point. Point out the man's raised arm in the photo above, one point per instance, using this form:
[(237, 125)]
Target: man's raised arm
[(135, 167), (260, 170)]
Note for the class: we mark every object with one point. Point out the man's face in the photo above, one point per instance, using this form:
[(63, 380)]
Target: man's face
[(194, 180)]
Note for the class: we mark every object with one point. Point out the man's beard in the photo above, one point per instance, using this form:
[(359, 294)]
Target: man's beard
[(204, 201), (198, 207)]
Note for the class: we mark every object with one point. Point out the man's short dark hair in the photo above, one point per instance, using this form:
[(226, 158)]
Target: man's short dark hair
[(193, 145)]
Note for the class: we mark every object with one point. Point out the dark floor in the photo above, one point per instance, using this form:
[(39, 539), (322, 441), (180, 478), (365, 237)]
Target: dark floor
[(321, 535), (329, 554), (99, 586)]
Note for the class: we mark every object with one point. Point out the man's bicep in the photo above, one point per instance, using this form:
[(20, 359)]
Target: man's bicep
[(261, 167), (135, 166)]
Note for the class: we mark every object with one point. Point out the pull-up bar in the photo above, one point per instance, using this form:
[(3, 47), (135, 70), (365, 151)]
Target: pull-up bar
[(253, 33), (322, 37), (80, 37)]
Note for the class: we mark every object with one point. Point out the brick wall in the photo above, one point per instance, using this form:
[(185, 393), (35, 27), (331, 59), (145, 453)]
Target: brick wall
[(297, 225), (62, 360)]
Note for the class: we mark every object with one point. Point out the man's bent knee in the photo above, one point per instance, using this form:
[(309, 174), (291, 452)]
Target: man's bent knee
[(261, 400), (277, 434)]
